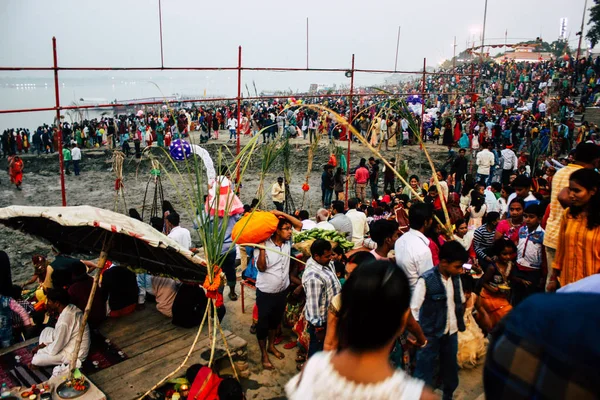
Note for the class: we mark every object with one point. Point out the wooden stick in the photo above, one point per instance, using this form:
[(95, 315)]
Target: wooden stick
[(103, 257)]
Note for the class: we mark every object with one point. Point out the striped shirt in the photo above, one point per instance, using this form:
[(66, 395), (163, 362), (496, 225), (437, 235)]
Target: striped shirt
[(321, 285), (559, 182), (578, 252), (482, 241)]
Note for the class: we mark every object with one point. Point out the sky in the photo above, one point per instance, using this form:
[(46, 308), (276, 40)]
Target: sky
[(271, 33)]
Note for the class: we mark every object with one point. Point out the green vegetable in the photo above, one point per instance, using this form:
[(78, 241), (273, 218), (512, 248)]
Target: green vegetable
[(331, 236)]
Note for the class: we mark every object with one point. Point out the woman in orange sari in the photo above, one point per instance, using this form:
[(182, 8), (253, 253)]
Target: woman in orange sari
[(15, 171), (495, 293)]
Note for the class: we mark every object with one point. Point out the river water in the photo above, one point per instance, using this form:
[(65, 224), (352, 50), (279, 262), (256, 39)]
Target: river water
[(38, 93)]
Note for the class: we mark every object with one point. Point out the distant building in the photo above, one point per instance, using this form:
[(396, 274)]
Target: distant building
[(524, 53)]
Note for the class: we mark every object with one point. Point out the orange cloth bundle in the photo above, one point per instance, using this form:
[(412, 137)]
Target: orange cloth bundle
[(255, 227)]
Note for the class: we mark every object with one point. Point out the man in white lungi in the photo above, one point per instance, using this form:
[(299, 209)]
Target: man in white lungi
[(58, 344)]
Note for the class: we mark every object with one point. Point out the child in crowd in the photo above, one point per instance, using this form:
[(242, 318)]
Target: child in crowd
[(441, 320), (530, 275)]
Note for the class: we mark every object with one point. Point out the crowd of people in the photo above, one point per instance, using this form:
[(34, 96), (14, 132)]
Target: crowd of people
[(440, 269), (451, 291)]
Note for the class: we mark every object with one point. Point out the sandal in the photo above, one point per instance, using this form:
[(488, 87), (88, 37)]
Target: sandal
[(290, 345), (300, 359), (233, 296), (299, 366), (253, 329), (278, 340)]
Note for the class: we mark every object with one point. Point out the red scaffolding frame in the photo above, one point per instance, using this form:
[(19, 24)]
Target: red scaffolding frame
[(238, 99)]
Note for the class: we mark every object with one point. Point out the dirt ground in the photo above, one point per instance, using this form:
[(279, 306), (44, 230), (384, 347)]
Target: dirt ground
[(95, 186)]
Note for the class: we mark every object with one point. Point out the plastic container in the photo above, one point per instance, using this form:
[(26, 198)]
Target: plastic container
[(4, 391)]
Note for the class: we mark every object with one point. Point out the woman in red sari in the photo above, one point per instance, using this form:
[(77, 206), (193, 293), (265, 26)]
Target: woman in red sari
[(457, 129), (15, 171), (19, 141)]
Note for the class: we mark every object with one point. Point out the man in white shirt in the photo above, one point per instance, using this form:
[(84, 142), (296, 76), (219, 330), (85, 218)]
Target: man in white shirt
[(438, 305), (510, 164), (412, 249), (322, 223), (57, 344), (232, 124), (278, 194), (272, 281), (485, 160), (360, 227), (490, 198), (384, 128), (179, 234), (542, 108), (76, 157), (307, 224)]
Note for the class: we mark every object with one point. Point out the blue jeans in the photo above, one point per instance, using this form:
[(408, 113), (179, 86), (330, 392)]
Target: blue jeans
[(228, 267), (491, 175), (327, 195), (446, 348), (232, 134), (76, 166), (458, 186), (374, 192), (483, 178), (314, 345)]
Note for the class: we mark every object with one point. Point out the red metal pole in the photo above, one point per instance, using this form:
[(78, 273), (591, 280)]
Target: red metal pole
[(58, 125), (423, 97), (162, 63), (472, 84), (239, 108), (348, 131), (276, 69)]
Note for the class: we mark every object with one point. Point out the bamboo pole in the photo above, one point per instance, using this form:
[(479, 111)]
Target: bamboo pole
[(101, 261)]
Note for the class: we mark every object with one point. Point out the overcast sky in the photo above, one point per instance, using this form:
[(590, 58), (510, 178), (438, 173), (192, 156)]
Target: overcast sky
[(272, 33)]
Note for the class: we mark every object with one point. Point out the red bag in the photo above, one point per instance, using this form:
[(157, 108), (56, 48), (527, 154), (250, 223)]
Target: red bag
[(332, 160)]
